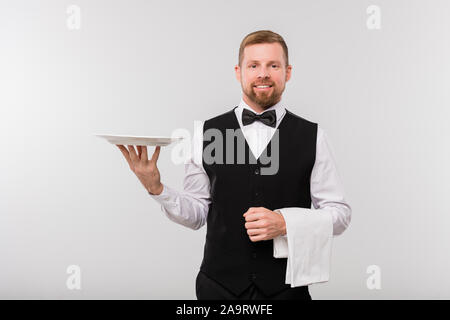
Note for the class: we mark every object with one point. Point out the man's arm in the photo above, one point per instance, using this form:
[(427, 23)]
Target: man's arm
[(327, 195), (309, 231), (189, 207), (327, 192)]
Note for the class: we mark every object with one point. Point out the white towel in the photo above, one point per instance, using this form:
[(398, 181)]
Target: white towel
[(306, 245)]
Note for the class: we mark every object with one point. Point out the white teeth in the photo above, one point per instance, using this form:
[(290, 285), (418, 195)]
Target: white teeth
[(262, 86)]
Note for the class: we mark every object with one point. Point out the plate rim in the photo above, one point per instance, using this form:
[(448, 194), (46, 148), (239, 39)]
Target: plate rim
[(145, 137)]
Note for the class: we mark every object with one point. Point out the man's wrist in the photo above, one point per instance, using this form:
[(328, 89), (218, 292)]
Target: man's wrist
[(283, 229), (156, 191)]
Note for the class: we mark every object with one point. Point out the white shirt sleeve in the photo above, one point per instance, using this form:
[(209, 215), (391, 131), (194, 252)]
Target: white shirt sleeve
[(189, 207), (309, 232)]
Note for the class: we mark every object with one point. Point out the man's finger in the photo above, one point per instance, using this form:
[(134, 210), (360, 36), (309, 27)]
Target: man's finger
[(144, 156), (253, 210), (254, 232), (156, 153), (257, 238), (133, 154), (139, 149), (253, 216), (125, 153), (252, 225)]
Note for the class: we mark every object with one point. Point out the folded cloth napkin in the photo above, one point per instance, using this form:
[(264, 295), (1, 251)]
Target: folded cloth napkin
[(306, 245)]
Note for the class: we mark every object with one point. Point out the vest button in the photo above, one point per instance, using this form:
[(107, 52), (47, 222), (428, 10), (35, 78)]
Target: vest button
[(254, 255), (257, 171)]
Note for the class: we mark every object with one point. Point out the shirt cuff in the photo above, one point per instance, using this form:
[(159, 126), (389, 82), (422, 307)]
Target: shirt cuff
[(309, 242), (280, 247), (166, 198)]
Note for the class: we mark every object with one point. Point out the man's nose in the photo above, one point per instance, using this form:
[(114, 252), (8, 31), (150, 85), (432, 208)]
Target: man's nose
[(264, 73)]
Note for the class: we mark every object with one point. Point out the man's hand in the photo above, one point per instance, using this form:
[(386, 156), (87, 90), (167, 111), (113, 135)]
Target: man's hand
[(146, 170), (264, 224)]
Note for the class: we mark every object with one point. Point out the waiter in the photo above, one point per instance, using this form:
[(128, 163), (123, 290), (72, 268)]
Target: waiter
[(263, 240)]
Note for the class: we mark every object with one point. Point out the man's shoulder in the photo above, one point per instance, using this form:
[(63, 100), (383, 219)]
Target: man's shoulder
[(221, 116), (300, 119)]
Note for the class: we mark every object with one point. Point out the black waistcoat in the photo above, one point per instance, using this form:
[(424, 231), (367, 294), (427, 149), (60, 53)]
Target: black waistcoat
[(230, 257)]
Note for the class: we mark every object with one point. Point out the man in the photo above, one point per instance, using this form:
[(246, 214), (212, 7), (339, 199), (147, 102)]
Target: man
[(263, 239)]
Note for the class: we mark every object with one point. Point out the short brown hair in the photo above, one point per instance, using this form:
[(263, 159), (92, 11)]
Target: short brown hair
[(263, 36)]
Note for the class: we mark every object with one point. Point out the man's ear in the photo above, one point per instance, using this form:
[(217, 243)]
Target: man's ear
[(237, 71), (288, 72)]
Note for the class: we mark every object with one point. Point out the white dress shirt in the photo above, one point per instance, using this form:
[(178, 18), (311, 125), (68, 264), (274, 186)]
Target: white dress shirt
[(309, 232)]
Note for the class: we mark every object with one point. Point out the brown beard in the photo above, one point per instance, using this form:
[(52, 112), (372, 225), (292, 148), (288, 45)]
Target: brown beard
[(264, 99)]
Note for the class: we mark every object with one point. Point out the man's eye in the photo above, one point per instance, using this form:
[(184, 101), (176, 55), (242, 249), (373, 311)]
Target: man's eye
[(253, 65), (274, 65)]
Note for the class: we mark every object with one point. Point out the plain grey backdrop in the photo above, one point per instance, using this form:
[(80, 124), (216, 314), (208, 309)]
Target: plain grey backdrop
[(150, 67)]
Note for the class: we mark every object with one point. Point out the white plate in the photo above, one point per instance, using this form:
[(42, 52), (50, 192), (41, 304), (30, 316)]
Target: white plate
[(139, 140)]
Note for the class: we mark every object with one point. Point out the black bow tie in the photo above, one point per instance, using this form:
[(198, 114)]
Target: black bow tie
[(269, 118)]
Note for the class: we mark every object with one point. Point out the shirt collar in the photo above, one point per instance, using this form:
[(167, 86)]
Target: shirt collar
[(278, 107)]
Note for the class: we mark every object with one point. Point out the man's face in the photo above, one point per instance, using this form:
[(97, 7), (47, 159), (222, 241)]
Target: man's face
[(263, 65)]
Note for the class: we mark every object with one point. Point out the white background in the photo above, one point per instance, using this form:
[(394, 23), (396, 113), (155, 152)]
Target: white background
[(150, 67)]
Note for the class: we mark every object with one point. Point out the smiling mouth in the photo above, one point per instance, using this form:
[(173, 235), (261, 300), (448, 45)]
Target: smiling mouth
[(263, 87)]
